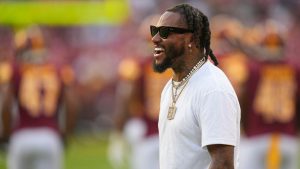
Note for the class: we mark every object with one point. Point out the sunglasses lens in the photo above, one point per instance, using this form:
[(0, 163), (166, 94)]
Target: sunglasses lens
[(153, 30), (164, 32)]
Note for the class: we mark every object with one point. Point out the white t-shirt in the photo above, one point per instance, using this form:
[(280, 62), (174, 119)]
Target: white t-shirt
[(208, 112)]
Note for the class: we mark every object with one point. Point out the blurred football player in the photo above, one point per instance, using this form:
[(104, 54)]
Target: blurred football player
[(270, 101), (137, 107), (38, 110)]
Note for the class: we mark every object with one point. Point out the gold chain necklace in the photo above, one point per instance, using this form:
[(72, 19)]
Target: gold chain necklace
[(197, 66), (184, 82)]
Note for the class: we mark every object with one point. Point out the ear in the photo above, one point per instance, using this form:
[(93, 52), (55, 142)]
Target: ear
[(190, 39)]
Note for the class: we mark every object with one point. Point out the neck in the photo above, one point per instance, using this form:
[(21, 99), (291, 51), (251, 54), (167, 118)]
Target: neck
[(185, 68)]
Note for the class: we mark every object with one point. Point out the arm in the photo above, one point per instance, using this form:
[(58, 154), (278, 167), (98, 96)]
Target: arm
[(222, 156), (127, 102), (70, 104), (71, 108), (6, 117), (258, 51), (123, 92)]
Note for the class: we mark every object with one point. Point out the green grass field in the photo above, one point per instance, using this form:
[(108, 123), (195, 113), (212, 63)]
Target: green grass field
[(82, 152), (2, 160)]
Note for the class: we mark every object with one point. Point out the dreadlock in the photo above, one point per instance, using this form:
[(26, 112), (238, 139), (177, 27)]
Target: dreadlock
[(199, 23)]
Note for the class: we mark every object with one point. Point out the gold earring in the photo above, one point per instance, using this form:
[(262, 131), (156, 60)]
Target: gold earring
[(190, 47)]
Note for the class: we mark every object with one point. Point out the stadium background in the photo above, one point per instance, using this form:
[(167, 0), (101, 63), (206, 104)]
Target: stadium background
[(93, 36)]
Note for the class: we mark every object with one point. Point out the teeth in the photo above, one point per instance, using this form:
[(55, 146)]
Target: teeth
[(158, 49)]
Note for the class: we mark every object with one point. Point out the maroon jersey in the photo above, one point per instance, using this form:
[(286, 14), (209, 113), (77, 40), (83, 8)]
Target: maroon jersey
[(38, 91), (272, 92)]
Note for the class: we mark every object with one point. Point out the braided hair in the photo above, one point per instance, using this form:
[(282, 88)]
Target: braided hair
[(199, 23)]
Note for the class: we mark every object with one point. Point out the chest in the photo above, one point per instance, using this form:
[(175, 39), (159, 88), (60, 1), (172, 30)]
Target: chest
[(184, 121)]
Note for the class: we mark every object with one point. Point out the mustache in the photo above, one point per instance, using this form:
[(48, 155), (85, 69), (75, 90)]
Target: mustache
[(160, 46)]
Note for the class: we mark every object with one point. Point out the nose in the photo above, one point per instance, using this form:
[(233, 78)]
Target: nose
[(156, 39)]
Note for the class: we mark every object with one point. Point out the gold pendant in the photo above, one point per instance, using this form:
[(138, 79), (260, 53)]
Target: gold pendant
[(171, 112)]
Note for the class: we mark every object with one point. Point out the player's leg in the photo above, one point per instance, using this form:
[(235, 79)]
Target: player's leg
[(49, 150), (19, 150), (253, 152), (289, 148)]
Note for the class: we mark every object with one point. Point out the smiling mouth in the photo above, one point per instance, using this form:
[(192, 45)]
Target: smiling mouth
[(158, 51)]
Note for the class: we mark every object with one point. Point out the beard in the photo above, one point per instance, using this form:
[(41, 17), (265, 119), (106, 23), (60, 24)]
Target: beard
[(170, 55)]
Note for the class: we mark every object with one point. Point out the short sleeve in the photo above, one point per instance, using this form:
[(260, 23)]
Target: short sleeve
[(219, 119)]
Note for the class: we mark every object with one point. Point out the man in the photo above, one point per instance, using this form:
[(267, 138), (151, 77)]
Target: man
[(37, 91), (199, 121)]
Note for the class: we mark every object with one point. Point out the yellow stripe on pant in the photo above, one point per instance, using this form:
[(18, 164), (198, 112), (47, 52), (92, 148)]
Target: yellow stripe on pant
[(273, 154)]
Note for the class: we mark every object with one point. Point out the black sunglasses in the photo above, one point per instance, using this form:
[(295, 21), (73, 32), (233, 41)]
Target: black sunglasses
[(164, 31)]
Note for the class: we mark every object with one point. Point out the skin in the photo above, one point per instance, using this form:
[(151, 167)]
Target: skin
[(181, 63), (221, 156)]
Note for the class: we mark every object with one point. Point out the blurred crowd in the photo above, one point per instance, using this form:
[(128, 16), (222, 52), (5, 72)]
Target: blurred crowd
[(109, 70)]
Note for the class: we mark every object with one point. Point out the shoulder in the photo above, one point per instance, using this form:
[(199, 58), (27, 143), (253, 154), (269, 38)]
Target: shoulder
[(210, 79), (129, 69)]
